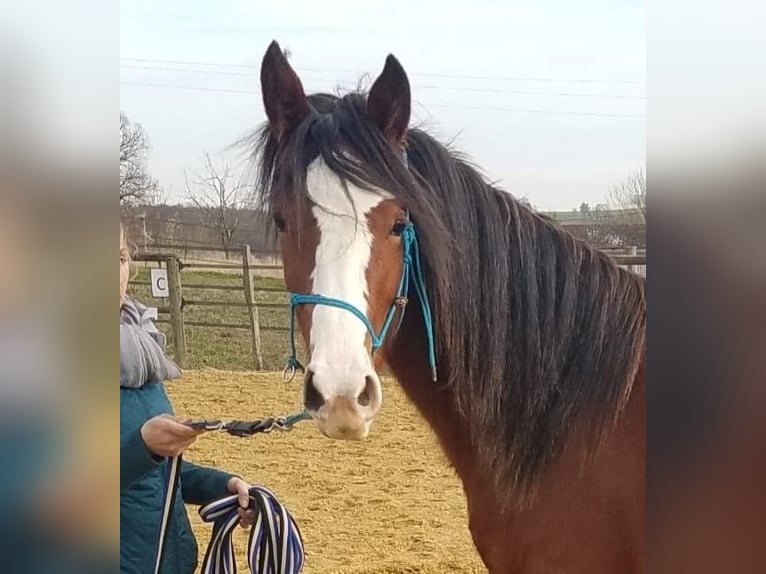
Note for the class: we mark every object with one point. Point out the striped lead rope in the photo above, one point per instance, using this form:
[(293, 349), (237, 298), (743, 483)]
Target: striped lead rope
[(274, 544)]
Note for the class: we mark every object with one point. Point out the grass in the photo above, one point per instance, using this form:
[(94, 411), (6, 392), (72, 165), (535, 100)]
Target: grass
[(223, 348)]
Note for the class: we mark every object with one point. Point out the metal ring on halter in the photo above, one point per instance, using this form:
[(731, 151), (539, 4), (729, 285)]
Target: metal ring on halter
[(289, 373), (293, 366), (280, 423), (400, 301)]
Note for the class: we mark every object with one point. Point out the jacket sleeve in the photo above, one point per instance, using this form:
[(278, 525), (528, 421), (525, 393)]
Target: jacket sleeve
[(136, 461), (201, 484)]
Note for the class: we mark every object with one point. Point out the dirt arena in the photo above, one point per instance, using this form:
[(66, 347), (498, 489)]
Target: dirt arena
[(386, 505)]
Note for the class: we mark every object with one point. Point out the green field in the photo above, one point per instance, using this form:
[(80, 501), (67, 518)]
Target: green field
[(223, 348)]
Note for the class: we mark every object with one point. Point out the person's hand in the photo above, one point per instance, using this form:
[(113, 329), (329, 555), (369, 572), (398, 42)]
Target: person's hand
[(166, 436), (242, 489)]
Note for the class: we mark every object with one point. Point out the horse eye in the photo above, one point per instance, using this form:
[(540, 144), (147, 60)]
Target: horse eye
[(280, 223), (398, 228)]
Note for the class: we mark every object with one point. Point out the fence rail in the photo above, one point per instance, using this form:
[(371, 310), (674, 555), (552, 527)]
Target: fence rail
[(173, 312), (209, 248)]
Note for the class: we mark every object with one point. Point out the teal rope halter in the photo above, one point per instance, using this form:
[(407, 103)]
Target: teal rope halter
[(411, 271)]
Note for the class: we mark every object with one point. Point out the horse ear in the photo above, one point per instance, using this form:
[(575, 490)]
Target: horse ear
[(283, 96), (388, 103)]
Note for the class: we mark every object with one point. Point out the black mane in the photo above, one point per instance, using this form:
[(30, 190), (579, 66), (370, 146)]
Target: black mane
[(536, 330)]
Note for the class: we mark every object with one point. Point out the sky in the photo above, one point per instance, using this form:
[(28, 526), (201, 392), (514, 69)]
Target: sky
[(547, 97)]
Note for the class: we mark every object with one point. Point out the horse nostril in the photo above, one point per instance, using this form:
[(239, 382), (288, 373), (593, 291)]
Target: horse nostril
[(364, 397), (312, 398)]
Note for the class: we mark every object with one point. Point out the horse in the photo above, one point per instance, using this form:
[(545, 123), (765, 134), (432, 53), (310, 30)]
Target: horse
[(521, 346)]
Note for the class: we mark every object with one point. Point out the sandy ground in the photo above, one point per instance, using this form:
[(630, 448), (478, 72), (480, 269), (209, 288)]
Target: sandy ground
[(386, 505)]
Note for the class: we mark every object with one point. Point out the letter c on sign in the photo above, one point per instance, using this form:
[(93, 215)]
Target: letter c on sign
[(159, 281)]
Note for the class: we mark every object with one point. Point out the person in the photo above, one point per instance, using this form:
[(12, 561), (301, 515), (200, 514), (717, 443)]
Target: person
[(149, 434)]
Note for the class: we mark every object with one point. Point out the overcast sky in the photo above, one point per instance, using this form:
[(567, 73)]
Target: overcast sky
[(547, 96)]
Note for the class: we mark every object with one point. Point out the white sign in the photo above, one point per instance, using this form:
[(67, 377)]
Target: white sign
[(159, 282)]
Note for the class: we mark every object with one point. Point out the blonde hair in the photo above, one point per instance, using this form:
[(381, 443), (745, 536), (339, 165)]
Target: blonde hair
[(131, 248)]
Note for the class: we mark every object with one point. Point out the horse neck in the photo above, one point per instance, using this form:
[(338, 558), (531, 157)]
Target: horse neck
[(407, 356)]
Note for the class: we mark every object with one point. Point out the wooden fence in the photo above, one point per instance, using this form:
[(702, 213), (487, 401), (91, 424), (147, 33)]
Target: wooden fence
[(631, 257), (176, 302)]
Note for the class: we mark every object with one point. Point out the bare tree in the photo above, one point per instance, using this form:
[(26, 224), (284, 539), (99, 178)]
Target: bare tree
[(630, 195), (135, 182), (157, 196), (220, 198)]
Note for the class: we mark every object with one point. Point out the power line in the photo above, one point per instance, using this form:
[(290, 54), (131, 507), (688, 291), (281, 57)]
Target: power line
[(418, 86), (426, 74), (532, 111), (478, 108), (193, 88)]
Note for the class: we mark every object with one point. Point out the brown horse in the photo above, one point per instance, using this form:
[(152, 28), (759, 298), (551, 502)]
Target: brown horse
[(539, 339)]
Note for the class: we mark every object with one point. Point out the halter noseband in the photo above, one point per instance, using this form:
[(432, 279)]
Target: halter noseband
[(411, 269)]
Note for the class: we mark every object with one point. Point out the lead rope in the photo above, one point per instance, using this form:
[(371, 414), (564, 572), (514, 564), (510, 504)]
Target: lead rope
[(274, 545), (419, 283)]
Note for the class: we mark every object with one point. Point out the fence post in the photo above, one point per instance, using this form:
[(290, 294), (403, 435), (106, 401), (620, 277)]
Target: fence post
[(255, 322), (175, 300)]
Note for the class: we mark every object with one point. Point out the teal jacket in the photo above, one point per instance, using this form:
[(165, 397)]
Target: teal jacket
[(141, 484)]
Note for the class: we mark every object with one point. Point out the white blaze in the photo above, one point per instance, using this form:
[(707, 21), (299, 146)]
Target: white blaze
[(338, 354)]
